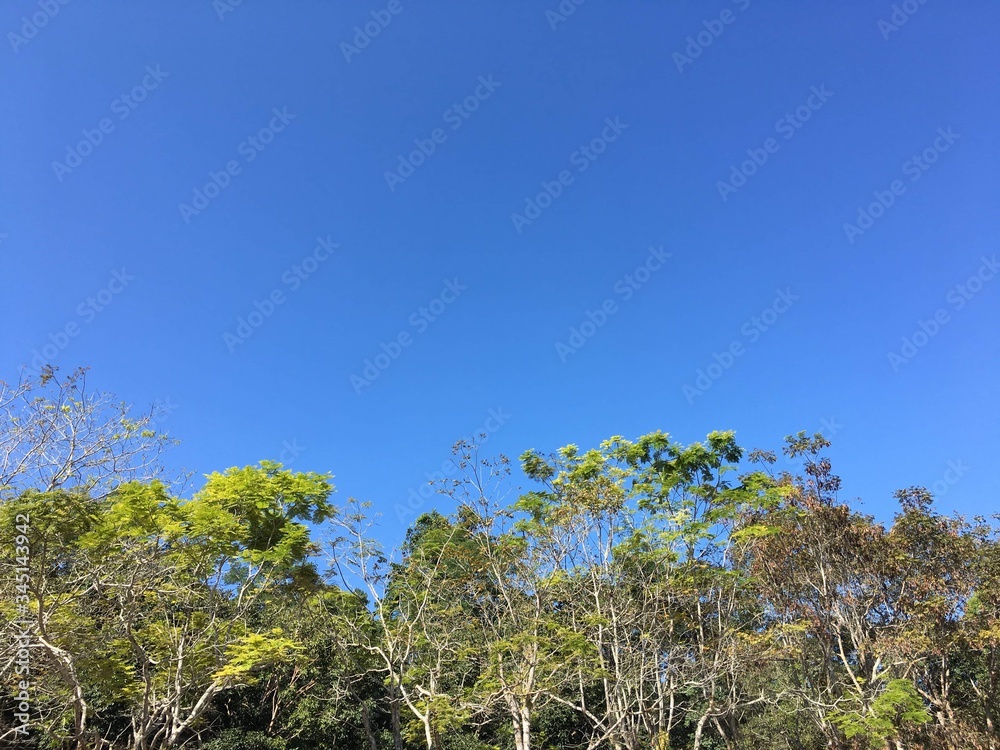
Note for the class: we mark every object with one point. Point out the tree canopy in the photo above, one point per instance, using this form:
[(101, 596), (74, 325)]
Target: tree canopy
[(638, 594)]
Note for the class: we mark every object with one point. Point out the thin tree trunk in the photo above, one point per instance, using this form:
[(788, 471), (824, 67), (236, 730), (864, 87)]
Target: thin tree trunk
[(698, 732), (428, 730), (367, 721), (397, 734)]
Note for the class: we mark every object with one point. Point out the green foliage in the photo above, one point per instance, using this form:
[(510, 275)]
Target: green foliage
[(258, 512), (252, 652), (237, 739), (637, 594), (888, 715)]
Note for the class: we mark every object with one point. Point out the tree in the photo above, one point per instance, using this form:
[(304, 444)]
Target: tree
[(532, 652), (144, 600), (425, 639), (57, 434), (641, 594), (827, 576)]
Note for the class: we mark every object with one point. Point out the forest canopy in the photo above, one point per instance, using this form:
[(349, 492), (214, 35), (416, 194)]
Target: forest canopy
[(642, 593)]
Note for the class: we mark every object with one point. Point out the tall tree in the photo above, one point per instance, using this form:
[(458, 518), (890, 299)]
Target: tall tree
[(143, 599), (56, 433)]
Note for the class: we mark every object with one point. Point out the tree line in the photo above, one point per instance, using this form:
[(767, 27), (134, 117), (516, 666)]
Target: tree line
[(643, 594)]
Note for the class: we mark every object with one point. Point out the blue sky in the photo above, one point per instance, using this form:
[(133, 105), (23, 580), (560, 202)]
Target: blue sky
[(741, 208)]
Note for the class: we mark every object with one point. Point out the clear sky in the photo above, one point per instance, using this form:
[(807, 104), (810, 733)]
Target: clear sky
[(447, 190)]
